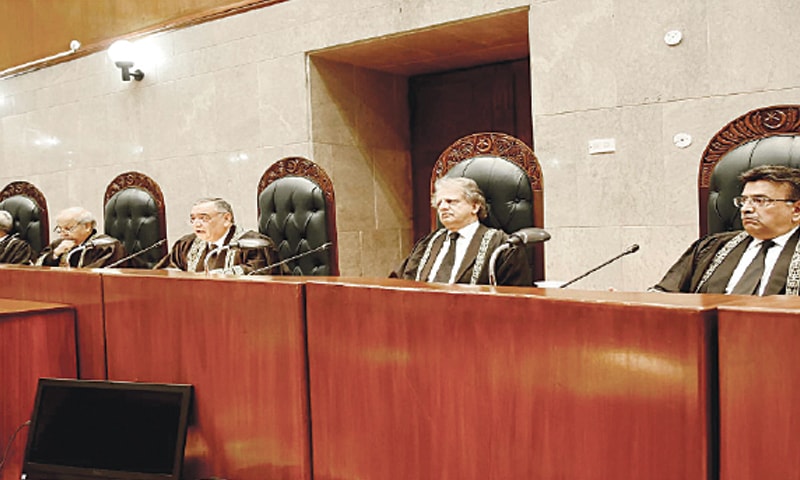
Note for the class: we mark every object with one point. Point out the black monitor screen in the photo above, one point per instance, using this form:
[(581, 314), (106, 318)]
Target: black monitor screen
[(100, 429)]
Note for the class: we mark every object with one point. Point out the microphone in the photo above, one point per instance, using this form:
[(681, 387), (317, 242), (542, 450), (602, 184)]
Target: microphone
[(524, 236), (324, 246), (249, 243), (242, 243), (528, 236), (134, 255), (632, 249)]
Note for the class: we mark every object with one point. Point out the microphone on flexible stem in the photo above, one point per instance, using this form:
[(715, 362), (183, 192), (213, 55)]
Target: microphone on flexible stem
[(88, 245), (134, 255), (242, 244), (632, 249), (525, 236), (324, 246)]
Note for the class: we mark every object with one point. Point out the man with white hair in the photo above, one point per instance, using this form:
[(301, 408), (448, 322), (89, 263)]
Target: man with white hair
[(461, 251), (219, 245), (80, 244), (12, 248)]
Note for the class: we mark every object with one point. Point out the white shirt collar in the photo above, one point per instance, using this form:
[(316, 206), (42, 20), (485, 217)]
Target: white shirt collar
[(779, 240), (469, 231), (219, 243)]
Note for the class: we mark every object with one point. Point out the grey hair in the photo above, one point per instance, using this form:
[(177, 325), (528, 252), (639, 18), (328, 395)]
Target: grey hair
[(468, 187), (80, 215), (6, 221), (221, 205)]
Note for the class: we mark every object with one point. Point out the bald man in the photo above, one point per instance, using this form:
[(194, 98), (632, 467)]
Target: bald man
[(79, 243)]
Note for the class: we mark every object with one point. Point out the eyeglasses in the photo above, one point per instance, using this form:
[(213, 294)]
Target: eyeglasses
[(758, 202), (59, 229), (203, 218)]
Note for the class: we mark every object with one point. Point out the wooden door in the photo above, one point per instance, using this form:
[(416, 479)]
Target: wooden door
[(446, 106)]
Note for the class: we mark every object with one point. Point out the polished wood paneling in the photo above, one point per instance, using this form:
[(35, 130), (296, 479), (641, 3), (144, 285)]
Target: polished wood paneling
[(36, 340), (241, 343), (79, 288), (475, 383), (447, 106), (34, 30), (759, 388)]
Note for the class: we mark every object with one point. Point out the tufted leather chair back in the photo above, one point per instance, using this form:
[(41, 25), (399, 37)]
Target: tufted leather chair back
[(134, 214), (765, 136), (507, 172), (296, 210), (29, 208)]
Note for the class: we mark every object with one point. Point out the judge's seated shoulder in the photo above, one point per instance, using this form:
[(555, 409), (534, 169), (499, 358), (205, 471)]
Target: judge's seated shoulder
[(762, 259), (13, 250), (218, 245), (79, 244), (461, 251)]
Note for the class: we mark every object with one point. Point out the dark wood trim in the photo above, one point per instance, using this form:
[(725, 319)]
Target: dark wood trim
[(179, 23), (305, 168), (489, 144), (135, 180), (753, 125), (297, 167), (29, 190)]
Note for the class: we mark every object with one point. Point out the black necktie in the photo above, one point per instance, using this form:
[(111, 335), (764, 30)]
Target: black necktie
[(446, 268), (748, 284)]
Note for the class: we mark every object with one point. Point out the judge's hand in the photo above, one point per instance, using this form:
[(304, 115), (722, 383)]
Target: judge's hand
[(63, 247)]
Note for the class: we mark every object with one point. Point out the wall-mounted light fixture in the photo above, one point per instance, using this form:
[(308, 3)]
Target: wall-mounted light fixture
[(123, 54)]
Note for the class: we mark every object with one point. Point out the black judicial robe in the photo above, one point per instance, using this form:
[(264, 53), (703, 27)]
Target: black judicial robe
[(511, 266), (686, 274), (189, 254), (14, 250), (98, 250)]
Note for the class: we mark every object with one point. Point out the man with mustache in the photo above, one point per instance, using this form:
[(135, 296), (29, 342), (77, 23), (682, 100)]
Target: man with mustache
[(460, 205), (764, 259), (79, 244)]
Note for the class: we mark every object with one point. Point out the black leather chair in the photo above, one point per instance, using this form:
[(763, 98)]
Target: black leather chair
[(764, 136), (296, 210), (509, 175), (134, 214), (29, 208)]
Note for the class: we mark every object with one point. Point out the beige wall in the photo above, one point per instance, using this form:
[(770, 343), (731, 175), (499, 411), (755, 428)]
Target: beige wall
[(224, 100)]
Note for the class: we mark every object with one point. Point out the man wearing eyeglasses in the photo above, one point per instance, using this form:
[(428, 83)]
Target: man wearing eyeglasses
[(764, 259), (80, 244), (218, 245)]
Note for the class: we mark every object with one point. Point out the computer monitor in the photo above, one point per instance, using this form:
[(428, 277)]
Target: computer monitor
[(91, 430)]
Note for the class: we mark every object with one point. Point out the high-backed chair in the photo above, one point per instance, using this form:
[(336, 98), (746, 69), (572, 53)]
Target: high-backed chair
[(764, 136), (29, 208), (296, 210), (508, 173), (134, 214)]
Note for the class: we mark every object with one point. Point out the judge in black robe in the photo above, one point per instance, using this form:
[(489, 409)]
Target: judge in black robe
[(770, 211), (13, 249), (460, 205), (80, 244), (219, 246)]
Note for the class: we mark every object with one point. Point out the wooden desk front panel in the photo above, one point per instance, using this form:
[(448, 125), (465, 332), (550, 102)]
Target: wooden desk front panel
[(241, 344), (759, 362), (79, 288), (436, 384), (36, 340)]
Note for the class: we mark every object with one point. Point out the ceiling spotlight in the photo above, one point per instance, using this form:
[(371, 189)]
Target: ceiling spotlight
[(123, 54)]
